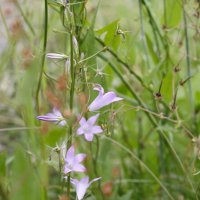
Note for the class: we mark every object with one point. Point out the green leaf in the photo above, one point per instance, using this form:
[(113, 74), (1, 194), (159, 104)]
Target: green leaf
[(127, 49), (109, 37), (52, 2), (150, 48), (3, 167), (24, 183), (173, 14), (127, 196), (107, 28)]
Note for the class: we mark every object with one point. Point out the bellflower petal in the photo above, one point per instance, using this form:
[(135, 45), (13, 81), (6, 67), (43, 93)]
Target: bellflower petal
[(79, 158), (82, 121), (89, 137), (82, 185), (92, 120), (72, 162), (96, 179), (80, 131), (55, 117), (102, 99), (79, 168), (96, 129), (88, 128)]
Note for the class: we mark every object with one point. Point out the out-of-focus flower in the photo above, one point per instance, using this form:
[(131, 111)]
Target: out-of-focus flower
[(102, 99), (82, 185), (72, 162), (57, 56), (87, 127), (75, 43), (55, 117)]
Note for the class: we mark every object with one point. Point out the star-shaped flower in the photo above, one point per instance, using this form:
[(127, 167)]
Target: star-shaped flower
[(102, 99), (87, 127), (72, 162), (55, 117), (82, 185)]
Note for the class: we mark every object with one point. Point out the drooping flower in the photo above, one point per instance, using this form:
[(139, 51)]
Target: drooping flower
[(102, 99), (57, 56), (82, 185), (87, 127), (55, 117), (72, 162)]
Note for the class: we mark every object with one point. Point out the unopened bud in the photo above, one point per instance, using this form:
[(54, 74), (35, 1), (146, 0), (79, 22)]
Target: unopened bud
[(176, 69), (104, 126), (78, 90), (108, 133), (57, 56), (55, 30), (75, 43), (88, 75), (71, 18), (67, 65), (82, 55)]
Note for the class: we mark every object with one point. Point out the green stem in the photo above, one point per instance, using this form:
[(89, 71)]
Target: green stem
[(71, 103), (43, 57), (188, 65), (143, 35), (99, 51)]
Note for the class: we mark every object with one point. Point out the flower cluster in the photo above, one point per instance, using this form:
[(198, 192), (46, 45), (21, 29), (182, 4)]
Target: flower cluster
[(87, 127)]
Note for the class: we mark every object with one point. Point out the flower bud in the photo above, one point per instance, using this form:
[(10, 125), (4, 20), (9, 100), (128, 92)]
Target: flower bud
[(88, 75), (108, 133), (67, 65), (104, 126), (75, 43), (82, 55), (71, 18), (56, 56)]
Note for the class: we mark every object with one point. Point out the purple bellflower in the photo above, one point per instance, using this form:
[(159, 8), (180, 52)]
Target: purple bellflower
[(72, 162), (55, 117), (82, 185), (102, 99), (87, 127)]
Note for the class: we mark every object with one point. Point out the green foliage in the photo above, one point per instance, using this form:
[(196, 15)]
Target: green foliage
[(173, 14), (24, 182), (3, 167)]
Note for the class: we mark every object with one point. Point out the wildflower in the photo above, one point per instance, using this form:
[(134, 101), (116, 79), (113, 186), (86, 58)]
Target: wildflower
[(87, 127), (57, 56), (102, 99), (82, 185), (72, 161), (55, 117)]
